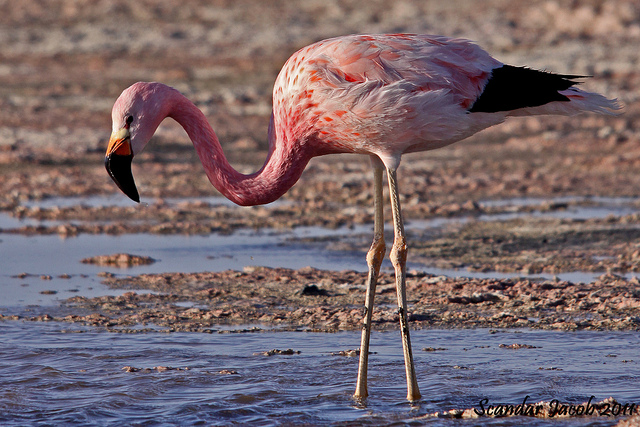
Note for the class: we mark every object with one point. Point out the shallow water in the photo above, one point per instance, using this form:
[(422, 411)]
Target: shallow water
[(58, 374), (53, 256), (54, 374), (54, 271)]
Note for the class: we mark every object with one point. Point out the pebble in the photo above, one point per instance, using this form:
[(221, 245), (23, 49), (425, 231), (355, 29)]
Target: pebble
[(276, 351), (119, 260), (516, 346)]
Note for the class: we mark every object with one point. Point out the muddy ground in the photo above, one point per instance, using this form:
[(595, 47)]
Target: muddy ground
[(63, 67), (324, 301)]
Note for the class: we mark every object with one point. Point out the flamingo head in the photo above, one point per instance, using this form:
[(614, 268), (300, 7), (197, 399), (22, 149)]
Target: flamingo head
[(136, 115)]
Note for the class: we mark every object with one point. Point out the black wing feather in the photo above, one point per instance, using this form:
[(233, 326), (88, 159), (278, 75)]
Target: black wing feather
[(510, 88)]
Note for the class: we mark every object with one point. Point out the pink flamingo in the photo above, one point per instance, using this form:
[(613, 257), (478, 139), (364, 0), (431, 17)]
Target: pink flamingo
[(380, 95)]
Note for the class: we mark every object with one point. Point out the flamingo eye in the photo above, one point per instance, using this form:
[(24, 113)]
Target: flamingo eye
[(128, 121)]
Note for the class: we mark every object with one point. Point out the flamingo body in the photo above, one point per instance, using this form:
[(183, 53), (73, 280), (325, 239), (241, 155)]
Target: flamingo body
[(383, 95), (391, 94), (380, 95)]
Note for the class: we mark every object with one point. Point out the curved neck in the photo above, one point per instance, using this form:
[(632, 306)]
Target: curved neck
[(282, 169)]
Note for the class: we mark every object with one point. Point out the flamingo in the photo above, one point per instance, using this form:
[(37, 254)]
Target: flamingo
[(378, 95)]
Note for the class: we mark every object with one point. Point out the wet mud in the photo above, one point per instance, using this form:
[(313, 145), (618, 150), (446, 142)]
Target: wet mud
[(275, 298)]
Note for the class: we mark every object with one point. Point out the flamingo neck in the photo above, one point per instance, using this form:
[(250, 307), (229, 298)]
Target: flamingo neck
[(281, 170)]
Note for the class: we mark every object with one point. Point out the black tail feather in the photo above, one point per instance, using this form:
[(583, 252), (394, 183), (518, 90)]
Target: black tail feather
[(510, 88)]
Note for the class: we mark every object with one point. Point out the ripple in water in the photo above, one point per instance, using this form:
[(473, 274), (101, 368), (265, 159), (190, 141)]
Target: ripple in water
[(55, 375)]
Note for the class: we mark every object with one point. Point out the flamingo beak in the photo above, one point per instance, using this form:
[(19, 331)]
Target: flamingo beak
[(118, 163)]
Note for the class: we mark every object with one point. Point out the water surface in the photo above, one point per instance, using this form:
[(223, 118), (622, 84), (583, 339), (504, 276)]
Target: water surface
[(53, 256), (59, 374)]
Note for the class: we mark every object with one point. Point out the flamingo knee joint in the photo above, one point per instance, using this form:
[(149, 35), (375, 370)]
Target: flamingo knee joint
[(398, 253)]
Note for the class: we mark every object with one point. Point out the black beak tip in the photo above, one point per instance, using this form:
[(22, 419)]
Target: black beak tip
[(134, 196), (119, 169)]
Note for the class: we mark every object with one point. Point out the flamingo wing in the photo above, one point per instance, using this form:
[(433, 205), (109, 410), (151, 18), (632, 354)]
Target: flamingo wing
[(391, 94), (383, 94)]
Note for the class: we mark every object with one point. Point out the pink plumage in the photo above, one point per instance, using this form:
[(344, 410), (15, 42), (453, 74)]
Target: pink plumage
[(379, 95), (383, 95), (390, 94)]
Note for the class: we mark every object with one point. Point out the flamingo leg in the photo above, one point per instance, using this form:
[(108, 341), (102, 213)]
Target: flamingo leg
[(398, 257), (374, 260)]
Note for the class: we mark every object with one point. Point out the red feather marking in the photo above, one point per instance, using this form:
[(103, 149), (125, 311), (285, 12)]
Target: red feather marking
[(351, 78)]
